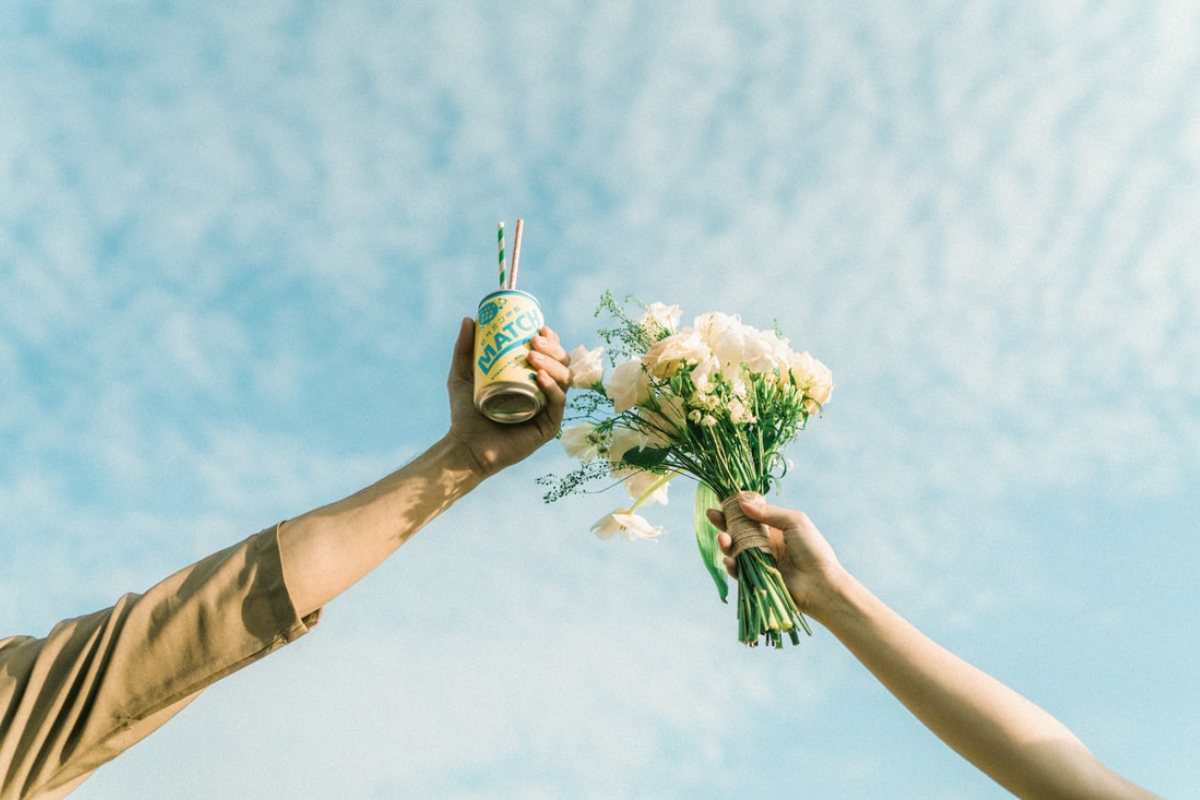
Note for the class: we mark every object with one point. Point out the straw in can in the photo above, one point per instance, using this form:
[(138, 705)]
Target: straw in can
[(512, 276), (500, 244)]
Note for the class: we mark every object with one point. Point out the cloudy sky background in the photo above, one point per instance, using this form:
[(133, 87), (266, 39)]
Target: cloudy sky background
[(236, 242)]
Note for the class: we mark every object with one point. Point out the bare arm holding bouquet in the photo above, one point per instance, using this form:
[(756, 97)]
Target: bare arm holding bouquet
[(1012, 740)]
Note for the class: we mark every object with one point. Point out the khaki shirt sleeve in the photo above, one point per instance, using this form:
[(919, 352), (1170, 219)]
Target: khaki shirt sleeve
[(100, 683)]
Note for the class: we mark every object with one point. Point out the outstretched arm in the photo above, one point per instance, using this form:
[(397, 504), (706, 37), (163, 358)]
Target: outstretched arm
[(99, 683), (1019, 745), (327, 550)]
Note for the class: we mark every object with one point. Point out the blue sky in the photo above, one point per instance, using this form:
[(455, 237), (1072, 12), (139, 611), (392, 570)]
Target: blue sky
[(236, 242)]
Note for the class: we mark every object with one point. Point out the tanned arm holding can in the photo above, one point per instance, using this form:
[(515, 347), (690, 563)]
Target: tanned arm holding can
[(98, 684), (327, 550)]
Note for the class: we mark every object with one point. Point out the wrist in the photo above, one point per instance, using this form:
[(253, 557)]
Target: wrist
[(460, 461), (837, 598)]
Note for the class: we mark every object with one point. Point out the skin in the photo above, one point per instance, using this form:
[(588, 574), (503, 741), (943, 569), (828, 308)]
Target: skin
[(1012, 740), (329, 549)]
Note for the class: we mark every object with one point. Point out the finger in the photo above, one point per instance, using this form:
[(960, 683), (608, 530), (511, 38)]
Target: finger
[(550, 420), (725, 542), (557, 370), (717, 518), (730, 566), (547, 342), (760, 510), (556, 395)]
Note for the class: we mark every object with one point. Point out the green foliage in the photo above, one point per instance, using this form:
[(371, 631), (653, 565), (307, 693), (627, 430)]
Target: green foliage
[(650, 458), (706, 539), (626, 338), (573, 482)]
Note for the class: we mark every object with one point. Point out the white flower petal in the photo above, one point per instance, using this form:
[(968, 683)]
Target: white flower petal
[(639, 481), (629, 526), (580, 442), (587, 367), (660, 315), (628, 386)]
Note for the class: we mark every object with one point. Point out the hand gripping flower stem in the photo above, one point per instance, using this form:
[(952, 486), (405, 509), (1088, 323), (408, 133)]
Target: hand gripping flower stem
[(765, 606)]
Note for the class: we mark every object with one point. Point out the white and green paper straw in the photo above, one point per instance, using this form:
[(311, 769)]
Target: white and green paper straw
[(500, 244)]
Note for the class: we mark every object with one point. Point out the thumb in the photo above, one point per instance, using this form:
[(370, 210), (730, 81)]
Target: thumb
[(464, 350), (759, 510)]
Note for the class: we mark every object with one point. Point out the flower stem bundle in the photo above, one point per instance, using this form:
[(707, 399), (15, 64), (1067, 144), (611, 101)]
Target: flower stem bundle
[(717, 402)]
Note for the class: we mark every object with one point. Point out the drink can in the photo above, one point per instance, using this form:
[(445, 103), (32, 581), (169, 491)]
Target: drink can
[(506, 387)]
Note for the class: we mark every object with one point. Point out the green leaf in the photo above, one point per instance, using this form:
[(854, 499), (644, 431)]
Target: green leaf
[(646, 458), (706, 538)]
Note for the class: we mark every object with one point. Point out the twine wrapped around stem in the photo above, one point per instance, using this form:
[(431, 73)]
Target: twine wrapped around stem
[(745, 532), (766, 609)]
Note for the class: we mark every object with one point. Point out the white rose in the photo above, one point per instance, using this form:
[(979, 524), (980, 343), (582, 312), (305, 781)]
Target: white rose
[(660, 316), (704, 373), (581, 442), (587, 367), (713, 326), (628, 386), (731, 349), (764, 352)]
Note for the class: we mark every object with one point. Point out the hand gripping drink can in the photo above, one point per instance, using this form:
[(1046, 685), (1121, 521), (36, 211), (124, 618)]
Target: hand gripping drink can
[(506, 387)]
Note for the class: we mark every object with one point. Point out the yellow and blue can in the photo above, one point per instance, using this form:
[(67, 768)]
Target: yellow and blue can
[(506, 388)]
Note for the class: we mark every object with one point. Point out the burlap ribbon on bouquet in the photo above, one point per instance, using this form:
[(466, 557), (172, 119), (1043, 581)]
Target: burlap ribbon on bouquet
[(745, 532)]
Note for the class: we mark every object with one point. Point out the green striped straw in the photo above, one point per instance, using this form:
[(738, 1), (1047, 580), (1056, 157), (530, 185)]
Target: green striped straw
[(500, 244)]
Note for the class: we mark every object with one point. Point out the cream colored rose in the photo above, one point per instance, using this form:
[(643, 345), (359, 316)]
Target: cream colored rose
[(667, 355), (587, 367), (822, 386), (804, 371)]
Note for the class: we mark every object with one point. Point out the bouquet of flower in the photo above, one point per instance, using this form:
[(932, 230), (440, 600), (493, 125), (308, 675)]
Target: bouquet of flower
[(717, 402)]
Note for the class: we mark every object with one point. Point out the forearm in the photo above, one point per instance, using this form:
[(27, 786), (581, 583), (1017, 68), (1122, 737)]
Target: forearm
[(1015, 742), (328, 550)]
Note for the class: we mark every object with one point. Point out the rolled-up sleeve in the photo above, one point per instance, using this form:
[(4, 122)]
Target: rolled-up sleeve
[(100, 683)]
